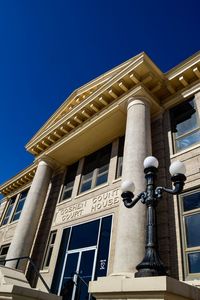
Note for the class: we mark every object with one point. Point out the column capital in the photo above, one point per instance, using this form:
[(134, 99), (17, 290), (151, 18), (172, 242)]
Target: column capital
[(48, 161), (134, 100)]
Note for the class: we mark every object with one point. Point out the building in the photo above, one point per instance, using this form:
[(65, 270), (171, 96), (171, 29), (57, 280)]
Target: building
[(65, 211)]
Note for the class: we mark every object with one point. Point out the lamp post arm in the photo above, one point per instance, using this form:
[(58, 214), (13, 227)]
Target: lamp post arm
[(178, 182), (128, 200)]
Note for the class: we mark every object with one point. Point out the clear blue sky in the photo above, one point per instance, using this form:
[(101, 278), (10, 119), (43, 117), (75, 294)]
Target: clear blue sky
[(49, 48)]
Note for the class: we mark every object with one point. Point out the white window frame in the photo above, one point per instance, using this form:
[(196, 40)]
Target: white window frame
[(186, 250)]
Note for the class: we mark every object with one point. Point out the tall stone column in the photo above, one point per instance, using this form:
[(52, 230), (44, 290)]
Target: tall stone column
[(26, 228), (130, 240)]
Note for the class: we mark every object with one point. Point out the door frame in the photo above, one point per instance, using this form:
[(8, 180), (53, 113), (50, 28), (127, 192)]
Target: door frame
[(79, 251)]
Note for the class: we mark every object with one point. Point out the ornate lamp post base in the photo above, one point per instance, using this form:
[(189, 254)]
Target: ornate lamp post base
[(151, 264)]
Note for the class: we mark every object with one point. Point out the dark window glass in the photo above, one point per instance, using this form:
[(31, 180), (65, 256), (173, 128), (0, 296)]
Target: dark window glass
[(69, 181), (194, 262), (188, 140), (104, 242), (85, 274), (49, 249), (191, 201), (120, 157), (70, 270), (19, 206), (82, 260), (8, 211), (3, 253), (86, 185), (95, 170), (192, 224), (84, 235), (185, 124), (60, 261)]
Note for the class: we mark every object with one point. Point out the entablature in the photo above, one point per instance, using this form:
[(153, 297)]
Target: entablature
[(19, 181), (90, 101)]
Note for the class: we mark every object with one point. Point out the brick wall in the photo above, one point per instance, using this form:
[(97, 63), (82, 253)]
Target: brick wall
[(166, 229)]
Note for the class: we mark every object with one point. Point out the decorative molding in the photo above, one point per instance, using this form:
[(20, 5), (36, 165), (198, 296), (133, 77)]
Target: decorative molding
[(19, 181), (139, 76)]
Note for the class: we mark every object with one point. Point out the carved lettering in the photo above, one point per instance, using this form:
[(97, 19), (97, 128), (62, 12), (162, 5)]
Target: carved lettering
[(93, 205)]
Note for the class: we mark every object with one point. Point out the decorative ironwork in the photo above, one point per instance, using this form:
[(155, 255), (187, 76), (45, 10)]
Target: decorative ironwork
[(151, 264)]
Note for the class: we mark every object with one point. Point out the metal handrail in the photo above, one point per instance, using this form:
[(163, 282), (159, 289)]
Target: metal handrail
[(77, 274), (32, 264)]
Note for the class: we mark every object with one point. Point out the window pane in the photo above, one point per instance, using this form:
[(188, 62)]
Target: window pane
[(185, 118), (49, 249), (20, 205), (60, 261), (192, 224), (85, 271), (48, 257), (69, 181), (9, 210), (86, 186), (99, 161), (67, 194), (102, 257), (188, 140), (102, 179), (16, 216), (87, 176), (120, 157), (4, 250), (3, 254), (191, 201), (185, 124), (84, 235), (103, 169), (194, 262)]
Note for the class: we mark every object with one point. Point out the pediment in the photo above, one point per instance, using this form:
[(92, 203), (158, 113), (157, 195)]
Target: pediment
[(95, 97), (80, 95)]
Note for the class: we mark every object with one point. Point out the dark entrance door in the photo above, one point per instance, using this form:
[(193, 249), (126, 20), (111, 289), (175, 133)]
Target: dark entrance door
[(77, 272), (83, 256)]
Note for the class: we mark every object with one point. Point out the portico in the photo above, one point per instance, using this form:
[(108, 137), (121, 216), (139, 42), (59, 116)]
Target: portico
[(108, 125)]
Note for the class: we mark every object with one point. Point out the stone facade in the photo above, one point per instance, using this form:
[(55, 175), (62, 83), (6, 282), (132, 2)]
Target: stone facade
[(133, 100)]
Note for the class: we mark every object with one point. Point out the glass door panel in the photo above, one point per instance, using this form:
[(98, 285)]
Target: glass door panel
[(67, 286), (85, 274)]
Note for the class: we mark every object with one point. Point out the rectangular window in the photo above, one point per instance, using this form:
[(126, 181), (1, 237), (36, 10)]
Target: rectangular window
[(19, 206), (120, 157), (69, 182), (3, 253), (190, 204), (49, 249), (8, 211), (95, 169), (185, 125)]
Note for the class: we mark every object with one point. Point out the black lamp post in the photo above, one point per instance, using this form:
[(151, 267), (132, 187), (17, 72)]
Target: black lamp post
[(151, 264)]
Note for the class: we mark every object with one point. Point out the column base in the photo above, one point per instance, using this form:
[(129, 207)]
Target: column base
[(148, 288)]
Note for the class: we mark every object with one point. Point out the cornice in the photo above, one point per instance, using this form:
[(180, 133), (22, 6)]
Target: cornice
[(139, 71), (183, 66), (182, 94), (138, 91), (20, 180), (79, 95), (138, 77), (114, 88)]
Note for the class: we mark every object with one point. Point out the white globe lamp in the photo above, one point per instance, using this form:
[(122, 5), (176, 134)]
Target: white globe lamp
[(177, 167), (151, 161)]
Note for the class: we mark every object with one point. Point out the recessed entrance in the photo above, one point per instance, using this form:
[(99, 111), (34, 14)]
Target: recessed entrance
[(78, 271), (83, 257)]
